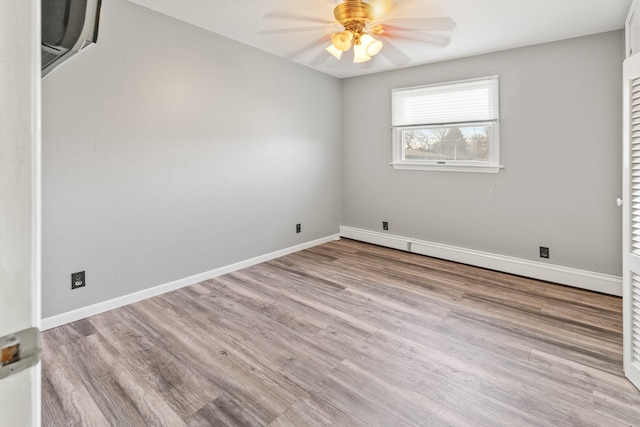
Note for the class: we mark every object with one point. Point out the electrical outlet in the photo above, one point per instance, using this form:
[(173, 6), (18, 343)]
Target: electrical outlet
[(298, 228), (544, 252), (385, 225), (77, 280)]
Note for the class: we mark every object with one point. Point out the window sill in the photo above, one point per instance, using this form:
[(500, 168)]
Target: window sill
[(448, 168)]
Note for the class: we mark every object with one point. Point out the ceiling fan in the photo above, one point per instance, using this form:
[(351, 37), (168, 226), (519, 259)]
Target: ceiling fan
[(357, 26)]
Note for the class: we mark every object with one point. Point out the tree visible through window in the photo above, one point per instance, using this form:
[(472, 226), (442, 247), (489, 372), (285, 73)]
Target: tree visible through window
[(454, 143)]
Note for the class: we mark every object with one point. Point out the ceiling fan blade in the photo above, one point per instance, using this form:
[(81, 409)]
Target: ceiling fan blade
[(317, 44), (393, 54), (320, 58), (383, 7), (402, 33), (431, 39), (292, 30), (296, 17), (421, 24), (387, 7)]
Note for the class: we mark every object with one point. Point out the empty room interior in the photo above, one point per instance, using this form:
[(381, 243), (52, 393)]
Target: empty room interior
[(326, 213)]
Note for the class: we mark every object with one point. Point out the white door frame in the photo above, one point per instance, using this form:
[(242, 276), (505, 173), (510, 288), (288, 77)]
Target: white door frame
[(20, 237)]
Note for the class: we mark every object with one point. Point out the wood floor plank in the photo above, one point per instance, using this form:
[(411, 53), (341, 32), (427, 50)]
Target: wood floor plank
[(413, 374), (181, 385), (91, 362), (70, 391), (264, 402), (402, 403), (250, 344), (579, 375), (346, 334), (301, 414), (293, 295), (157, 347), (523, 329), (53, 413), (337, 417), (625, 408), (224, 411)]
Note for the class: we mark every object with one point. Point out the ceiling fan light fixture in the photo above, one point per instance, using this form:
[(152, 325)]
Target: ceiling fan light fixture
[(342, 41), (334, 51), (360, 53), (361, 31), (371, 46)]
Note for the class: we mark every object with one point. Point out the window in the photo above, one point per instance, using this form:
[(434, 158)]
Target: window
[(450, 126)]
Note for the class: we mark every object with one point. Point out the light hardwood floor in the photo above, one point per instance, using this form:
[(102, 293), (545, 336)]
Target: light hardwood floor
[(346, 334)]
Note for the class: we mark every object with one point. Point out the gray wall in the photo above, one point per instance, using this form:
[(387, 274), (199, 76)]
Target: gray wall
[(560, 146), (169, 151)]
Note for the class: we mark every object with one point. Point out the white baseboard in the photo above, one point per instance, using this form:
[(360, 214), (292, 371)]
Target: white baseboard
[(92, 310), (583, 279)]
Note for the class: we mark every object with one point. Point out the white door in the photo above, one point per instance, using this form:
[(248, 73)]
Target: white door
[(19, 206), (631, 218)]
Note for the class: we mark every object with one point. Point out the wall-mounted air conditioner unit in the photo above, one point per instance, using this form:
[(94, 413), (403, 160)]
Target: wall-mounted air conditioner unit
[(68, 26)]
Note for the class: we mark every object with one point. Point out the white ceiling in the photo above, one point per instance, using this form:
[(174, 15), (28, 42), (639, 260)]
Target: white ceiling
[(482, 26)]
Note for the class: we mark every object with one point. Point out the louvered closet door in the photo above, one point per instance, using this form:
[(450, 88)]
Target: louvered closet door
[(631, 219)]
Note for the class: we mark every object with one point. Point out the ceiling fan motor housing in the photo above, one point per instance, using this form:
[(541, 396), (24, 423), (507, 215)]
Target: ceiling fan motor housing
[(353, 13)]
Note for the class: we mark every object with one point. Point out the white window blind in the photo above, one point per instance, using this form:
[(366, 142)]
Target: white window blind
[(466, 101)]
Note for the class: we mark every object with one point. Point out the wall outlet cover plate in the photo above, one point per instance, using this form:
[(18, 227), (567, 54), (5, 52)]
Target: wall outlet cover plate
[(78, 280)]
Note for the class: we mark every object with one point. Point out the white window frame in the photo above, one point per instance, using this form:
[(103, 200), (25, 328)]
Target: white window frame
[(492, 165)]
